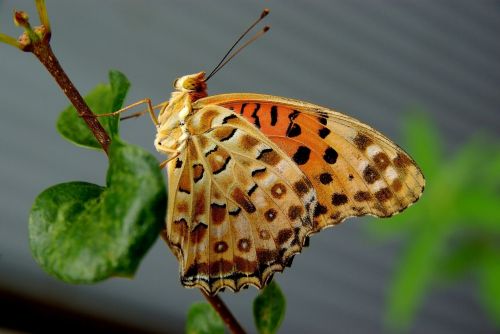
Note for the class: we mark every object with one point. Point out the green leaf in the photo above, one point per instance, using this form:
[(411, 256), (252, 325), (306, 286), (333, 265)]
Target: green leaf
[(202, 319), (269, 309), (413, 277), (83, 233), (461, 260), (101, 100), (489, 285)]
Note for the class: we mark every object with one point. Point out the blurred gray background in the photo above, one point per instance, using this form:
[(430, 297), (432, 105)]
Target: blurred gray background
[(370, 59)]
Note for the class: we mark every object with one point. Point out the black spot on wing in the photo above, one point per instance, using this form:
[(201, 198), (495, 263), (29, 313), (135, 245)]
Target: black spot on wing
[(293, 130), (324, 132), (242, 110), (330, 155), (301, 157), (274, 115), (178, 163), (322, 120), (256, 121)]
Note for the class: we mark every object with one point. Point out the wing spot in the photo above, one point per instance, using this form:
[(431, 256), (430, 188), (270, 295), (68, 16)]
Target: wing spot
[(235, 212), (220, 247), (270, 215), (178, 163), (223, 167), (293, 130), (383, 195), (198, 172), (324, 132), (243, 201), (295, 212), (257, 172), (251, 190), (396, 185), (274, 115), (401, 161), (301, 156), (330, 155), (362, 196), (218, 213), (339, 199), (264, 235), (269, 156), (284, 236), (370, 174), (362, 142), (322, 120), (248, 142), (278, 190), (244, 245), (301, 187), (325, 178), (320, 210), (381, 160)]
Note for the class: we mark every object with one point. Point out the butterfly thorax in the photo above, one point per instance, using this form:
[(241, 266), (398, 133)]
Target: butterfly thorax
[(173, 131)]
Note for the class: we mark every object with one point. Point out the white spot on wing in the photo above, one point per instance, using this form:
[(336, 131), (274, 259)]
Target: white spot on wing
[(391, 174), (372, 150)]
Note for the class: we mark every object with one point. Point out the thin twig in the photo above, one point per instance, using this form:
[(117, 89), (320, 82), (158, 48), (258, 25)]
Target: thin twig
[(44, 53), (37, 41), (226, 315)]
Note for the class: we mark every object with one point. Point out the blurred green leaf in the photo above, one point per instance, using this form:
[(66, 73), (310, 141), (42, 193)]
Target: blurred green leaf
[(413, 276), (202, 319), (489, 278), (101, 100), (453, 227), (461, 259), (269, 309), (83, 233)]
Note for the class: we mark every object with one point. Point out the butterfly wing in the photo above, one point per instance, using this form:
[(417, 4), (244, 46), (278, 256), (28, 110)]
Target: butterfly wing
[(239, 207), (354, 169)]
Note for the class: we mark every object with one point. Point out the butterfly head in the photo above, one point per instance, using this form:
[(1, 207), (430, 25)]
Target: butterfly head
[(191, 83)]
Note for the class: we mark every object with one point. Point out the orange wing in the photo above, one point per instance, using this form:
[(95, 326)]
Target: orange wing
[(354, 169)]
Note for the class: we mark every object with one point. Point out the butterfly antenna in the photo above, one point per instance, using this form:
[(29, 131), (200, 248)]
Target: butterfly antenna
[(264, 13)]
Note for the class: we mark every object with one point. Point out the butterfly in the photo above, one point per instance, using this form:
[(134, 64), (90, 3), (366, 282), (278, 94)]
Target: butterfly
[(252, 176)]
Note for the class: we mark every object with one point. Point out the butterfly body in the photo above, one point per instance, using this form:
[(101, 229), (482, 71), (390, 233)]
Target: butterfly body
[(251, 176)]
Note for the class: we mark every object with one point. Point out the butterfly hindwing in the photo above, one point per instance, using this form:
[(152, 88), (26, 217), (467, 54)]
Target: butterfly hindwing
[(239, 207)]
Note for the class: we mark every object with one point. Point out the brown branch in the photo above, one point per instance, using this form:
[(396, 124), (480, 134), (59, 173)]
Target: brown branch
[(37, 41), (224, 313), (44, 53)]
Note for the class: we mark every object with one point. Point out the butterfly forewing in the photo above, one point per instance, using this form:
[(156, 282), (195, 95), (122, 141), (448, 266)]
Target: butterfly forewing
[(354, 169)]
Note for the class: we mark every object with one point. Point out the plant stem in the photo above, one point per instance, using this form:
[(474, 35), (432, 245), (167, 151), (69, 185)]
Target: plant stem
[(44, 53), (224, 313)]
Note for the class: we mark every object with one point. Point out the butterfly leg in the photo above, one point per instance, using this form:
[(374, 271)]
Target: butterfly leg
[(150, 109), (174, 155)]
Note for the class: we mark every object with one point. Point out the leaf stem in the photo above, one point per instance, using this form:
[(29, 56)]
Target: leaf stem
[(224, 313)]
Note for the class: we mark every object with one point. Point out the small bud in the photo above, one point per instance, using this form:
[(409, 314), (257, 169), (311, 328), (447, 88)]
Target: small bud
[(21, 18), (24, 42)]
